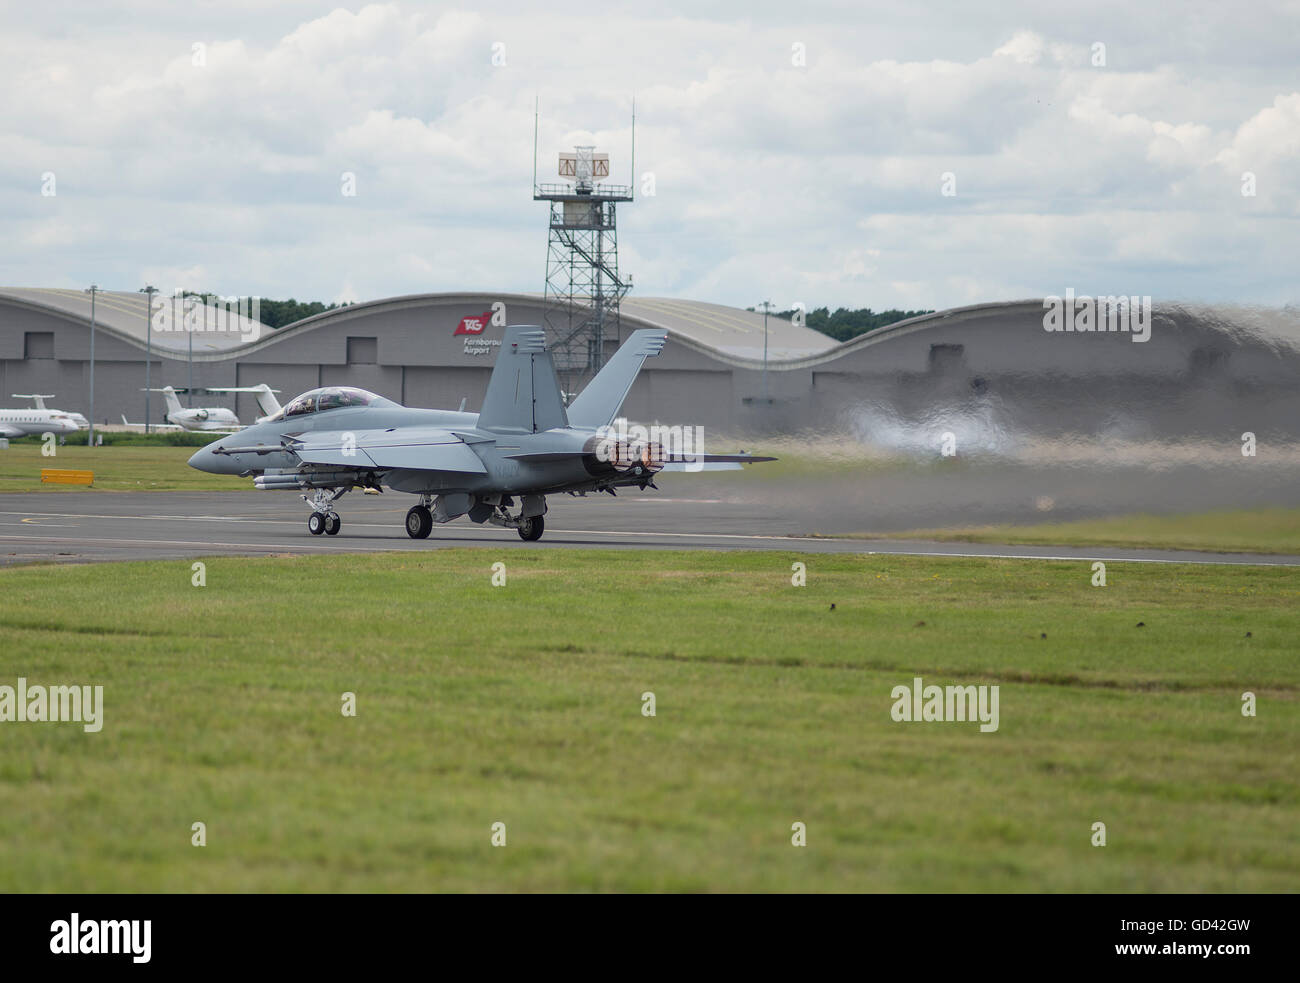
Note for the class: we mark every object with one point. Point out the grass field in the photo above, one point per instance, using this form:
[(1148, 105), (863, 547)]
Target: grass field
[(522, 704), (1274, 530), (129, 467)]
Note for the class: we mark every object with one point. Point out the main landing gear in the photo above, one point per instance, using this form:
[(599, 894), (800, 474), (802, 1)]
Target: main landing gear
[(530, 530), (529, 522), (419, 522)]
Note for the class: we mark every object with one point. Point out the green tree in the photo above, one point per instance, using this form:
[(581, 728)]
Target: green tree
[(844, 323)]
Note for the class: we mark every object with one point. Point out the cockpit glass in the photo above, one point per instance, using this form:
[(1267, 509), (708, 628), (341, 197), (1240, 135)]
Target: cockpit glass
[(329, 398)]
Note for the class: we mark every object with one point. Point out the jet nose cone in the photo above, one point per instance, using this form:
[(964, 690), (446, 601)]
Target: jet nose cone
[(204, 460)]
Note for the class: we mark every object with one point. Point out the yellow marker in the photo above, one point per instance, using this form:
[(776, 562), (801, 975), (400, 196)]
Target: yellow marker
[(58, 476)]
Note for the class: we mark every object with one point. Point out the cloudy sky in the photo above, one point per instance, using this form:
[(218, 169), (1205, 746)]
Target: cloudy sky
[(797, 151)]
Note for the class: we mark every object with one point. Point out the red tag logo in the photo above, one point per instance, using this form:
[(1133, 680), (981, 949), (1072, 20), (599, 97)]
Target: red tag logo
[(474, 324)]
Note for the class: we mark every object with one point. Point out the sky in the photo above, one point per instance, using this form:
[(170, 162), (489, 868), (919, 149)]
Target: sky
[(900, 154)]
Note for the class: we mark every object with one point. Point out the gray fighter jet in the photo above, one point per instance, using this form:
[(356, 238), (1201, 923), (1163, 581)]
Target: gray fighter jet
[(524, 444)]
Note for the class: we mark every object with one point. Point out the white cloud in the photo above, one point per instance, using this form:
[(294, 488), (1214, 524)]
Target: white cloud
[(1025, 47), (820, 182)]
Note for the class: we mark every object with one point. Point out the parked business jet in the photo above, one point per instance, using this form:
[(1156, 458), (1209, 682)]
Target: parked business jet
[(20, 423), (76, 418)]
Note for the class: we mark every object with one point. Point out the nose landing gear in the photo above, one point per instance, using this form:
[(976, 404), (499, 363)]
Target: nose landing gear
[(323, 518), (328, 523)]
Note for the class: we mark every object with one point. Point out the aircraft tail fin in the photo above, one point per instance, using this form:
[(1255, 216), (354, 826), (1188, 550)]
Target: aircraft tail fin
[(264, 394), (39, 397), (266, 400), (523, 395), (173, 404), (598, 404)]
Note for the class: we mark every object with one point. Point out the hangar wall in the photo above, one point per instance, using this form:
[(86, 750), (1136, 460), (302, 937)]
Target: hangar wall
[(1204, 371)]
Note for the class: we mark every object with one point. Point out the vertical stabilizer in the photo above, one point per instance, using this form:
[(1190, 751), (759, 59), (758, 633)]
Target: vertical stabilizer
[(523, 395), (266, 401), (600, 402), (173, 404)]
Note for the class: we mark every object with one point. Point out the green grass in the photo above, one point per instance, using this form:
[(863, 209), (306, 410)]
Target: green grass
[(1274, 530), (521, 704), (124, 467), (132, 438)]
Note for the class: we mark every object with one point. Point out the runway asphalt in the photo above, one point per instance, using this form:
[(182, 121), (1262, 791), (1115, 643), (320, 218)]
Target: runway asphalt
[(78, 527)]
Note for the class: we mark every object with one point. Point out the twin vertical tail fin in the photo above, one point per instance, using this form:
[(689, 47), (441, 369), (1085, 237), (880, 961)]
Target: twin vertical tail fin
[(598, 404), (523, 395)]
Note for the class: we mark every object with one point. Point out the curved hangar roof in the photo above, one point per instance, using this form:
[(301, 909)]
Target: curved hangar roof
[(726, 330), (216, 329), (728, 334)]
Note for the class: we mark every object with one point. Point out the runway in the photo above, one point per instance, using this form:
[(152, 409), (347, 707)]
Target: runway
[(79, 527)]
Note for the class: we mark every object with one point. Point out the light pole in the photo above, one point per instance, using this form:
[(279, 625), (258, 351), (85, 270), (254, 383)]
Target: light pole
[(149, 291), (90, 437), (767, 308)]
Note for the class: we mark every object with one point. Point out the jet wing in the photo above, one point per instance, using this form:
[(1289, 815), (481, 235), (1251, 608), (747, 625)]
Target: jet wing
[(153, 426), (8, 431), (413, 448)]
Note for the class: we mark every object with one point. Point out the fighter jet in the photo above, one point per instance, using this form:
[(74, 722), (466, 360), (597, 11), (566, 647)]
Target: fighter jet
[(523, 445)]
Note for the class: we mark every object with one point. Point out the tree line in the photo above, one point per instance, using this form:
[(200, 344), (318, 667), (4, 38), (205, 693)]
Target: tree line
[(843, 323), (840, 324), (275, 313)]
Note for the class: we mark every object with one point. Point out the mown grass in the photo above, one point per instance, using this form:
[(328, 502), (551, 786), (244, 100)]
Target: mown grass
[(522, 704), (124, 467), (1264, 530)]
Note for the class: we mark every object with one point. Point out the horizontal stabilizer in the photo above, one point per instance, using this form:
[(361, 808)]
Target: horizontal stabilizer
[(714, 459), (710, 462), (704, 466)]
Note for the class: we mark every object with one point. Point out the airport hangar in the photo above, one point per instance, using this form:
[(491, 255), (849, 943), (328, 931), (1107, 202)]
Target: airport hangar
[(1203, 370)]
